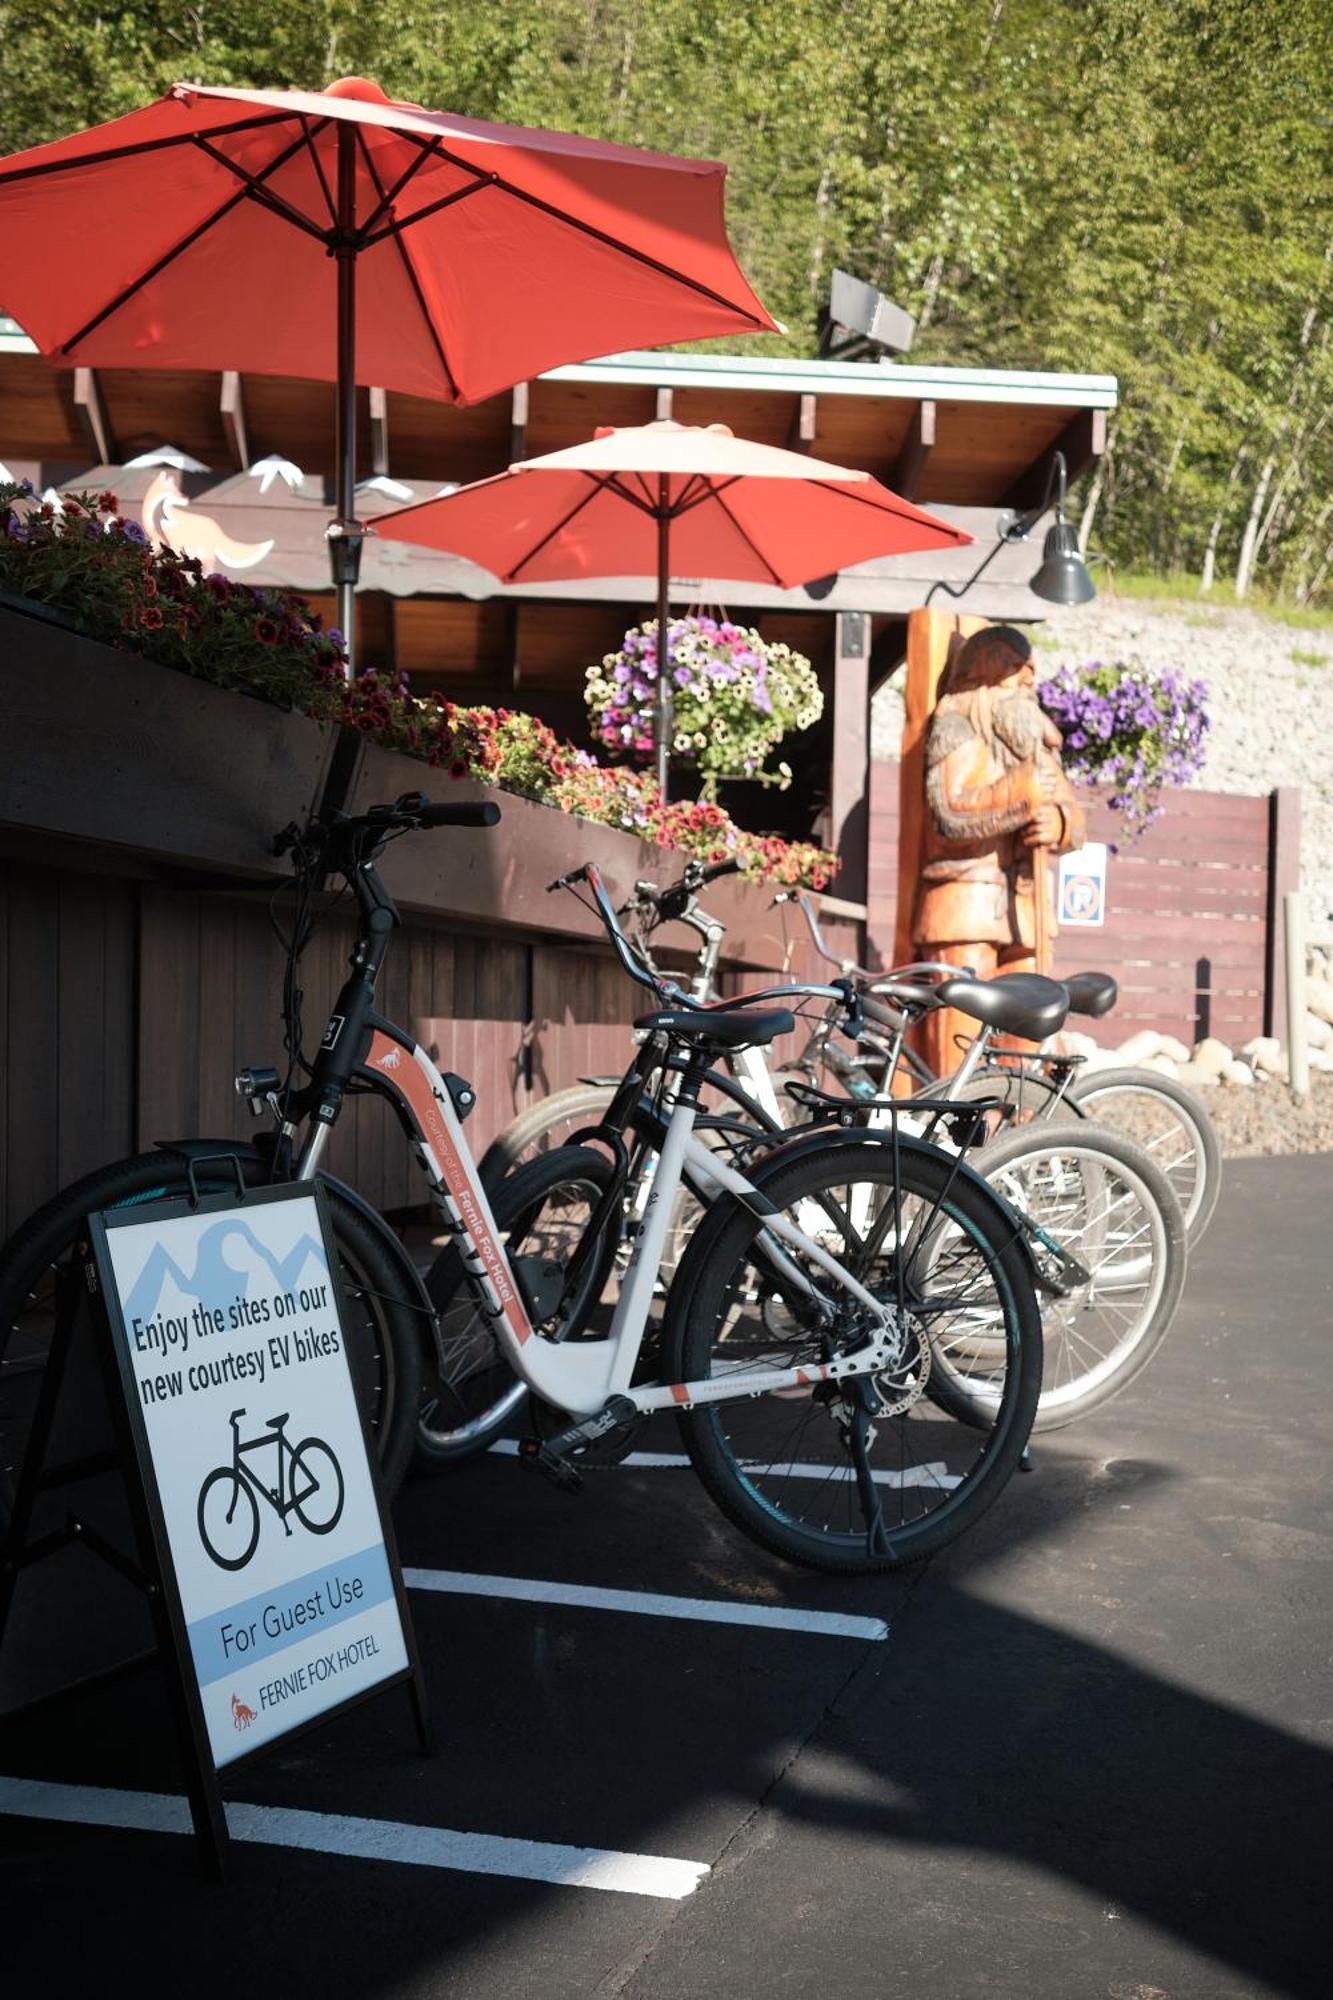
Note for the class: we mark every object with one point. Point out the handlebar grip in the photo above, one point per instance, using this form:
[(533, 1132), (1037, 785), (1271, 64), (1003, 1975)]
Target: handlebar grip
[(716, 869), (477, 812)]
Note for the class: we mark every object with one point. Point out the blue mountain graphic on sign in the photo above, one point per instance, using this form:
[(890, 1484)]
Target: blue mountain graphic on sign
[(215, 1282)]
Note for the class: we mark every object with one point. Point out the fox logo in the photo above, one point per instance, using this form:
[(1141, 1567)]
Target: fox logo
[(390, 1061), (241, 1716)]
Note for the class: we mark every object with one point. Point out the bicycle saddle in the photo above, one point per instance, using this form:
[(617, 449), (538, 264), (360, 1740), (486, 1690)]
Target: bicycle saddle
[(276, 1423), (1092, 993), (1018, 1003), (730, 1028)]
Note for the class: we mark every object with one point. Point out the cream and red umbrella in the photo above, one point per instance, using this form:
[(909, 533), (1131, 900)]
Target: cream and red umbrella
[(343, 236), (637, 501)]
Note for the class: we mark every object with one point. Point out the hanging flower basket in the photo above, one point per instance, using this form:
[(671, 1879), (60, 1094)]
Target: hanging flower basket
[(736, 697), (1130, 728)]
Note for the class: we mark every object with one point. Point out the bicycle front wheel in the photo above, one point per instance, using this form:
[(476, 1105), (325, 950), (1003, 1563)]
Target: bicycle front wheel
[(932, 1242)]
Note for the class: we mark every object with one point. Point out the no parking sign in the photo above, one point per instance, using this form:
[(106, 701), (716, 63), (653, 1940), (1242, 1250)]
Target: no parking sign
[(1082, 901)]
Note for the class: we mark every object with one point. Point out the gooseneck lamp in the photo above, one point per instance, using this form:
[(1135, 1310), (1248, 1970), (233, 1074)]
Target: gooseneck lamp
[(1063, 577)]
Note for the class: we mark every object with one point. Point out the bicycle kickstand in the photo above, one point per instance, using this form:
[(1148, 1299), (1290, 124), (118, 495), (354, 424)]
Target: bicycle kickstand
[(858, 1444)]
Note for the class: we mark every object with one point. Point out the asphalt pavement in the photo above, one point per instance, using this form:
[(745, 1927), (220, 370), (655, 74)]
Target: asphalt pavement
[(1086, 1753)]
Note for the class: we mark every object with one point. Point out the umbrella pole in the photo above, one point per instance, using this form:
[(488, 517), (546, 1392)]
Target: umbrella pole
[(664, 703), (345, 530)]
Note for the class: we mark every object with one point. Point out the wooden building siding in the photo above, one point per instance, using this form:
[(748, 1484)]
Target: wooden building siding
[(1187, 932), (127, 1007), (138, 973)]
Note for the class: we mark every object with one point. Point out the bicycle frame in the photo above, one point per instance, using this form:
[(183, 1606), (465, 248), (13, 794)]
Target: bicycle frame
[(581, 1376), (282, 1498)]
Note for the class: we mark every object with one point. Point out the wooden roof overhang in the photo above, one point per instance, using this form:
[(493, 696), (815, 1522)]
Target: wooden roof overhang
[(969, 442), (940, 436)]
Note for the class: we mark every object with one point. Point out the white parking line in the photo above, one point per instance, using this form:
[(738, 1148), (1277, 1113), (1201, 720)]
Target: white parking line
[(933, 1474), (365, 1839), (707, 1610)]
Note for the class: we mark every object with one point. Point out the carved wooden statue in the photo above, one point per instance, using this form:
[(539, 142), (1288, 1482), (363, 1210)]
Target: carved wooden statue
[(997, 801)]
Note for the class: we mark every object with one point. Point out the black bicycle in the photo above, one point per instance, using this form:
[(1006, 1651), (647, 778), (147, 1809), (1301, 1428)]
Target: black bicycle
[(307, 1481)]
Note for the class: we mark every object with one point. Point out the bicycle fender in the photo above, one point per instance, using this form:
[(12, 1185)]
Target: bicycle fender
[(250, 1155)]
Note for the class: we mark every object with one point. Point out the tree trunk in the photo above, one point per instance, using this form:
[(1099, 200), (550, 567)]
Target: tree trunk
[(1249, 541), (1097, 489)]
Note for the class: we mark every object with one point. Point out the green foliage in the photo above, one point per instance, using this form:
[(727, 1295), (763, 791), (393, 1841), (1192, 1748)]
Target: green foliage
[(1138, 187)]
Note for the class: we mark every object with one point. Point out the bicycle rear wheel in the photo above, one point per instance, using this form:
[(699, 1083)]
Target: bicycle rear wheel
[(1171, 1125), (542, 1127), (384, 1334), (780, 1465), (1089, 1194)]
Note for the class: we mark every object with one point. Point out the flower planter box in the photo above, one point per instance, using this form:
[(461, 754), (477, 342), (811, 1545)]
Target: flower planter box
[(500, 876), (156, 767), (106, 747), (125, 787)]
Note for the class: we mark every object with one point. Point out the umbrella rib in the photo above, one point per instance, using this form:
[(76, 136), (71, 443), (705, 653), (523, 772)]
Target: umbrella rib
[(600, 235), (708, 490), (904, 509), (598, 486), (111, 153), (253, 187), (611, 483), (387, 199), (177, 250), (396, 227), (318, 164), (412, 277), (754, 549)]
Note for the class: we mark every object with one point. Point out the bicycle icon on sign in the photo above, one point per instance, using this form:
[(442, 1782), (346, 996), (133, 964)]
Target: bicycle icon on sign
[(308, 1482)]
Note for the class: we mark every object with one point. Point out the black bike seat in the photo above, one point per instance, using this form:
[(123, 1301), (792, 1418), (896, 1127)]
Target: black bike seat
[(276, 1423), (730, 1028), (1091, 993), (1018, 1003)]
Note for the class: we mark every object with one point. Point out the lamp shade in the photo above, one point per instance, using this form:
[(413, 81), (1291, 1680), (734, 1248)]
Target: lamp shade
[(1063, 577)]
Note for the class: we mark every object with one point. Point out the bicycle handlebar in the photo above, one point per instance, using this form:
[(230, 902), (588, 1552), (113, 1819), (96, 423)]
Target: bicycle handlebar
[(674, 901), (665, 988), (478, 813), (414, 809)]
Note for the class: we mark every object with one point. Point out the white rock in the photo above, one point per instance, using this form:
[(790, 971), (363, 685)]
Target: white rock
[(1197, 1078), (1319, 998), (1162, 1063), (1173, 1050), (1139, 1047), (1263, 1052), (1212, 1055), (1239, 1073), (1318, 1034), (1321, 1059), (1076, 1044)]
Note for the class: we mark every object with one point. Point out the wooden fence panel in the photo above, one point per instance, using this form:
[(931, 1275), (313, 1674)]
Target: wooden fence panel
[(1188, 911)]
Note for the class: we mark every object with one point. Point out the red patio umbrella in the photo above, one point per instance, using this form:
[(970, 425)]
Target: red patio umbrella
[(222, 228), (629, 500)]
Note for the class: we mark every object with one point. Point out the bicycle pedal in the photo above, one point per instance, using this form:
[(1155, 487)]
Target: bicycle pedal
[(555, 1455), (533, 1452)]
